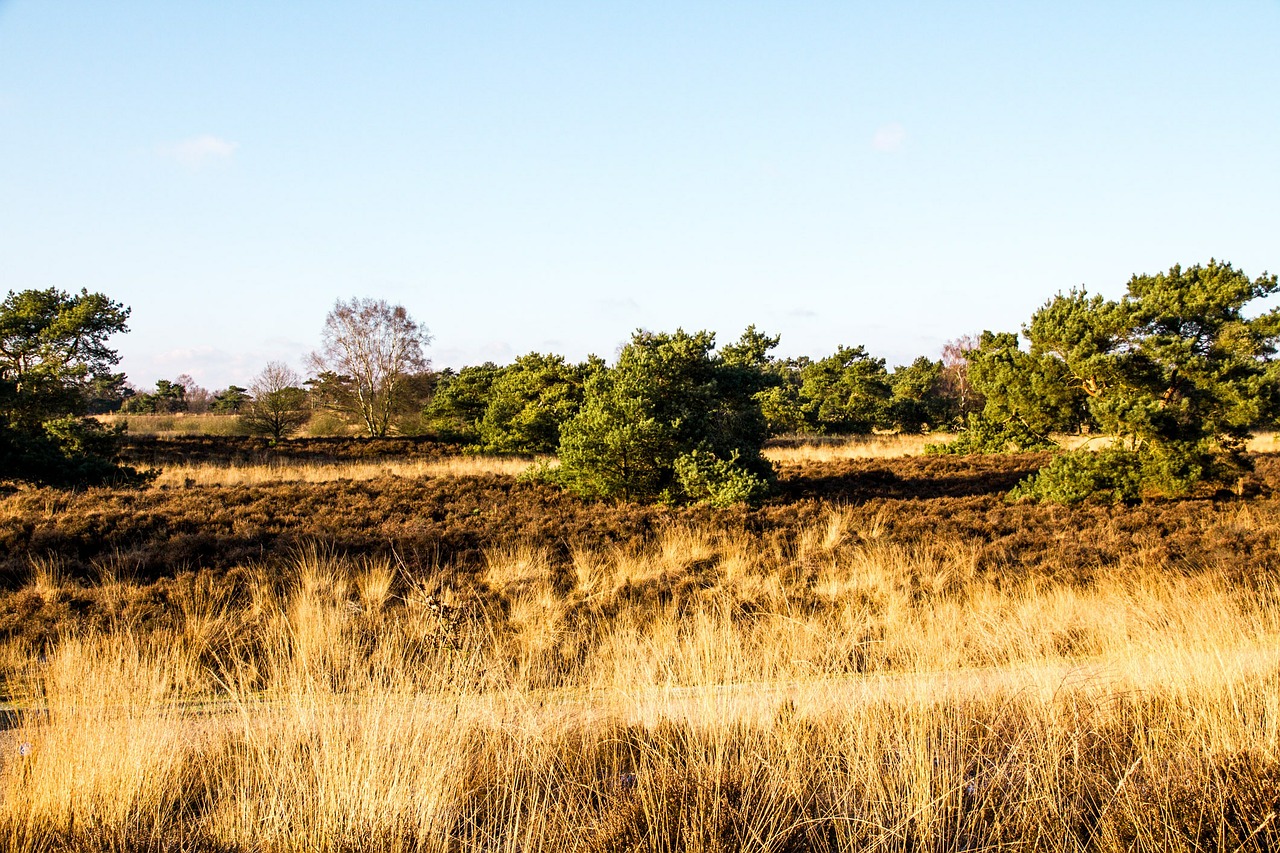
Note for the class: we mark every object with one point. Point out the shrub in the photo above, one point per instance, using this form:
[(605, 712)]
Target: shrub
[(669, 396), (985, 435), (704, 478), (327, 425), (1119, 475), (1176, 372), (529, 401), (1108, 476)]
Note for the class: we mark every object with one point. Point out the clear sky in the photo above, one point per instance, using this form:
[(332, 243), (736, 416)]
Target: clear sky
[(550, 176)]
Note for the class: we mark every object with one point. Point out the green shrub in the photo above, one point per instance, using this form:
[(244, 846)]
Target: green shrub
[(705, 478), (1116, 475), (983, 435), (669, 396), (529, 401), (68, 451), (327, 425), (1107, 476)]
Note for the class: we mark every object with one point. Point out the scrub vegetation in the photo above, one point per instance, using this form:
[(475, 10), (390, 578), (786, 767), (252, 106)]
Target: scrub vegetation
[(701, 599), (885, 654)]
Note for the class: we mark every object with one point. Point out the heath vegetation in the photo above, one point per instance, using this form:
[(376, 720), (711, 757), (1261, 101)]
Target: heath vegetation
[(701, 599), (822, 676)]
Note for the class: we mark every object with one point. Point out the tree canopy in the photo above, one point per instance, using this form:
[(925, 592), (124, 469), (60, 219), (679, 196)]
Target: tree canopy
[(1176, 372), (672, 420), (278, 406), (529, 401), (369, 352), (54, 360)]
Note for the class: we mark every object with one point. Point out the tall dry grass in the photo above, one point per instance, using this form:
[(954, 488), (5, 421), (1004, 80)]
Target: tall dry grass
[(703, 690), (281, 471), (176, 424), (825, 449)]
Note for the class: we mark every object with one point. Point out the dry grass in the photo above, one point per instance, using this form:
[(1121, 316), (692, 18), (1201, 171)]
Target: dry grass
[(282, 471), (822, 450), (177, 424), (1264, 442), (180, 424), (825, 449), (697, 690)]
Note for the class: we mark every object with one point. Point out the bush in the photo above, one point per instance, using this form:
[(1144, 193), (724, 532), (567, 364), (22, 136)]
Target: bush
[(984, 435), (529, 401), (704, 478), (1108, 476), (1116, 475), (68, 451), (327, 425), (668, 397), (1176, 371)]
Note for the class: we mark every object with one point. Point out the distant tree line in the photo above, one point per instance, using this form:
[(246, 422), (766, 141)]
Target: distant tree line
[(520, 407), (1176, 372)]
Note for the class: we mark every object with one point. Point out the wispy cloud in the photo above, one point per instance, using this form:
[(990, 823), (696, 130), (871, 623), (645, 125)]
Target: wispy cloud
[(476, 352), (211, 366), (199, 150), (889, 137), (617, 308)]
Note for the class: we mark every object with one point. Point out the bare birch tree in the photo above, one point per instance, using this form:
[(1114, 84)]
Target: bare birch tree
[(369, 349)]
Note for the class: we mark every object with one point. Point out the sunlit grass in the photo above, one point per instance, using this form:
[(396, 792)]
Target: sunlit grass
[(828, 449), (177, 424), (221, 474), (824, 449), (698, 690)]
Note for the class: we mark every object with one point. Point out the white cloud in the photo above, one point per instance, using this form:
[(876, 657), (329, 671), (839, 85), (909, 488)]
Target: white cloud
[(889, 137), (199, 150)]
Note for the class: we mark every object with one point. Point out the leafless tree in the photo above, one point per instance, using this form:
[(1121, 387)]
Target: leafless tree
[(369, 349), (279, 404), (198, 399), (955, 374)]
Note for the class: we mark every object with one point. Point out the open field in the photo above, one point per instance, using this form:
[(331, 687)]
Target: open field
[(211, 474), (887, 656), (179, 424), (183, 424)]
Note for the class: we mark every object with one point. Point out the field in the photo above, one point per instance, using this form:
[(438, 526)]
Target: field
[(340, 645)]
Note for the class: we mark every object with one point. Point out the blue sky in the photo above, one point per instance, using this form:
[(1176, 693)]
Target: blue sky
[(550, 176)]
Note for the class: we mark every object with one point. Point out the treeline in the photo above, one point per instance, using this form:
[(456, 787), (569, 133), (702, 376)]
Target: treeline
[(519, 407), (1175, 373)]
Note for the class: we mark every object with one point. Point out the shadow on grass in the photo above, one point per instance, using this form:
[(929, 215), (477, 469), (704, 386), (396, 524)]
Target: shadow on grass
[(921, 478)]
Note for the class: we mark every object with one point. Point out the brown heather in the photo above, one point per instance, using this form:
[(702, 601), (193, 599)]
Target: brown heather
[(888, 656)]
